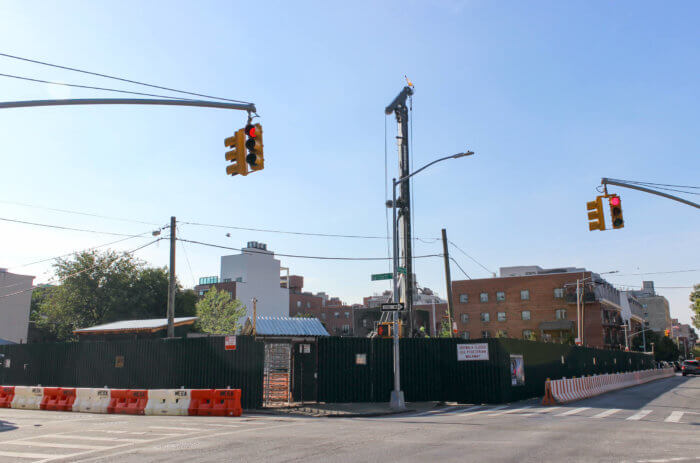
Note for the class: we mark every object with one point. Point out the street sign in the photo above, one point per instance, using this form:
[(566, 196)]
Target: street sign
[(230, 343), (392, 307), (382, 276), (402, 270)]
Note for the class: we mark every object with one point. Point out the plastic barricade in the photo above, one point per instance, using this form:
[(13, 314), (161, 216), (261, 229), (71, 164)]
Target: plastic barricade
[(7, 393), (168, 402), (215, 402), (28, 397), (128, 401), (91, 400)]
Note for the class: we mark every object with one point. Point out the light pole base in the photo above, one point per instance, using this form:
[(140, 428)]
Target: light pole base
[(397, 402)]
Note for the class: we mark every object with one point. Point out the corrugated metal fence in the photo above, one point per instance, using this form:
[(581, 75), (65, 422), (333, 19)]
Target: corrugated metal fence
[(361, 370), (149, 364)]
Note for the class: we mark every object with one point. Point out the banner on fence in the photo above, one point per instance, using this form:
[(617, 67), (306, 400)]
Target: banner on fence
[(517, 370), (472, 351)]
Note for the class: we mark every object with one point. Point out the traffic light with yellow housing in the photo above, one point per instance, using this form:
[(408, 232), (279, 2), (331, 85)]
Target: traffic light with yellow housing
[(254, 144), (237, 154), (616, 211), (667, 333), (385, 329), (596, 218)]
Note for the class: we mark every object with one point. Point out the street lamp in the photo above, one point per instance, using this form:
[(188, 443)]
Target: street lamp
[(397, 399)]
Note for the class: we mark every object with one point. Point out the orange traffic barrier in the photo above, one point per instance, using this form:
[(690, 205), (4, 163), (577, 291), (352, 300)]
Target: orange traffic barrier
[(128, 401), (548, 399), (7, 393), (58, 399), (215, 402)]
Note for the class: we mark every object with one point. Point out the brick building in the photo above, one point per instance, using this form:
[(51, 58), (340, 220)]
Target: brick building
[(656, 309), (334, 314), (535, 303)]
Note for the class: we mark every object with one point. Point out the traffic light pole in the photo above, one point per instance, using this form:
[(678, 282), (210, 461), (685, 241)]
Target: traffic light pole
[(397, 399), (250, 107), (171, 284), (624, 184)]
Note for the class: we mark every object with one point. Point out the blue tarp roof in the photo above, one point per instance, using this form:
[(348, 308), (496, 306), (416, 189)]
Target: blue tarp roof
[(5, 341), (287, 326)]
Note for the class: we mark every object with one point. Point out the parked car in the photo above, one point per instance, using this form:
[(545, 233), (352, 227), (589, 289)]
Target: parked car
[(690, 367)]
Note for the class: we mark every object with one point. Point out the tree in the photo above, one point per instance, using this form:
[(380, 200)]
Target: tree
[(102, 287), (666, 350), (218, 313), (695, 305)]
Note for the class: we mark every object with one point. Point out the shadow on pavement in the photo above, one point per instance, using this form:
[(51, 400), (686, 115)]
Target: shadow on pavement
[(6, 426), (664, 392)]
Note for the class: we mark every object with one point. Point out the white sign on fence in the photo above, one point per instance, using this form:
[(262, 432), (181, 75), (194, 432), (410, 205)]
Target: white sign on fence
[(472, 351)]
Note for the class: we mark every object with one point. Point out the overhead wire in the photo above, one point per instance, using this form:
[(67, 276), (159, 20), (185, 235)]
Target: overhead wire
[(457, 264), (661, 184), (655, 273), (67, 211), (59, 280), (107, 76), (187, 259), (470, 257), (60, 227), (89, 87), (252, 251)]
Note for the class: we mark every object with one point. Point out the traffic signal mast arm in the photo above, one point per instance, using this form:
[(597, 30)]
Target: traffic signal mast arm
[(624, 184)]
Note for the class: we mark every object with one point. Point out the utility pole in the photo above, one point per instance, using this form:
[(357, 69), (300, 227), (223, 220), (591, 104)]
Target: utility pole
[(448, 281), (171, 284), (400, 110)]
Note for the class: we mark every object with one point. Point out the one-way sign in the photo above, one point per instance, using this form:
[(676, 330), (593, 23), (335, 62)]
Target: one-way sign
[(392, 307)]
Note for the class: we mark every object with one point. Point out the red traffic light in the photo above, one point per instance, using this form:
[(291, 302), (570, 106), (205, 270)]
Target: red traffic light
[(380, 330), (615, 201), (250, 131)]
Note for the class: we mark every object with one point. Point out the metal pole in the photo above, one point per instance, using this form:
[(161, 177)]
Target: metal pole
[(432, 327), (578, 314), (622, 183), (397, 400), (171, 284), (627, 340), (644, 339), (128, 101), (255, 316), (448, 282)]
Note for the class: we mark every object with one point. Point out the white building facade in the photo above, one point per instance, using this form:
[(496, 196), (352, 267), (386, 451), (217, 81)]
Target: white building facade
[(15, 302), (257, 275)]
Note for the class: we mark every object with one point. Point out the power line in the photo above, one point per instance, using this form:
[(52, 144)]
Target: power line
[(248, 250), (479, 263), (184, 250), (89, 87), (89, 214), (59, 227), (457, 264), (656, 273), (119, 78), (59, 280), (330, 235), (662, 184)]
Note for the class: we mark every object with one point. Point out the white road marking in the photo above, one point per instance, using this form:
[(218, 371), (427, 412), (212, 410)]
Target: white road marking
[(639, 415), (106, 438), (512, 410), (500, 407), (223, 425), (674, 417), (574, 411), (25, 455), (59, 446), (606, 413), (460, 410), (177, 428)]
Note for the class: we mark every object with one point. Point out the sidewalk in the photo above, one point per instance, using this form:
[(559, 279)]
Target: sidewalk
[(344, 410)]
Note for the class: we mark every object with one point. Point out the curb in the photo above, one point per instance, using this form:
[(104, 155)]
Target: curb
[(327, 415)]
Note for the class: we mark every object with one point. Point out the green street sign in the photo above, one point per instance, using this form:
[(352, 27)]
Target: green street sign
[(402, 270), (382, 276)]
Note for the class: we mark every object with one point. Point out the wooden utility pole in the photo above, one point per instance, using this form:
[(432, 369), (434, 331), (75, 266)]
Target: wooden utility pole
[(448, 280), (171, 284)]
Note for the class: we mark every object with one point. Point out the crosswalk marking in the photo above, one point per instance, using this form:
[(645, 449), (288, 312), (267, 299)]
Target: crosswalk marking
[(177, 428), (674, 417), (541, 411), (607, 413), (639, 415), (91, 438), (574, 411), (25, 455), (512, 410), (58, 445)]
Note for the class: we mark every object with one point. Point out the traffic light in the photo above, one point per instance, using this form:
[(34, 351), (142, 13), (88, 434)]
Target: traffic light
[(667, 333), (616, 211), (237, 154), (384, 329), (254, 143), (596, 218)]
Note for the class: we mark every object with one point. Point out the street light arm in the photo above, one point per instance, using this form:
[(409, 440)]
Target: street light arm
[(452, 156)]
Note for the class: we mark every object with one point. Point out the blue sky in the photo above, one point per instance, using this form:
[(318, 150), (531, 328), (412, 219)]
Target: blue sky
[(551, 96)]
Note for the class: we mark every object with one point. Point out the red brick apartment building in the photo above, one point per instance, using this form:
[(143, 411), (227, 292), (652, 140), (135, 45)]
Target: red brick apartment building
[(535, 303), (333, 313)]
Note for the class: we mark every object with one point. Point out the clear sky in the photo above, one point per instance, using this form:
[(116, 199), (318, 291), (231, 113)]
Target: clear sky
[(551, 96)]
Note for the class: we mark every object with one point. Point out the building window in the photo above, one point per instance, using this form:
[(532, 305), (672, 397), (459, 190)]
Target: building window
[(525, 295), (465, 335), (226, 280), (501, 316), (484, 297), (501, 334), (558, 293), (323, 315), (525, 314), (347, 314), (337, 314), (298, 304), (485, 317), (364, 323), (485, 334), (561, 314), (465, 317), (308, 305), (527, 334), (346, 329), (463, 298), (500, 295)]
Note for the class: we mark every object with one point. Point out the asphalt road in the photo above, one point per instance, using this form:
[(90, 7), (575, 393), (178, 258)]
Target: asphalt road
[(655, 422)]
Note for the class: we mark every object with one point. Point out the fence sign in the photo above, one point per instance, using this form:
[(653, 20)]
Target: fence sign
[(517, 370), (229, 343), (472, 351), (360, 359)]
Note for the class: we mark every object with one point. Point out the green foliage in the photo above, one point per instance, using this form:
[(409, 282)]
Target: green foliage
[(102, 287), (218, 313), (304, 315), (695, 305), (445, 329), (666, 349)]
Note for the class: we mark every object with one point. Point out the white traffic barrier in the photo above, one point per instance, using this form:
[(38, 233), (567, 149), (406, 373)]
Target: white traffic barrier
[(569, 390), (168, 401), (28, 397), (91, 400)]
